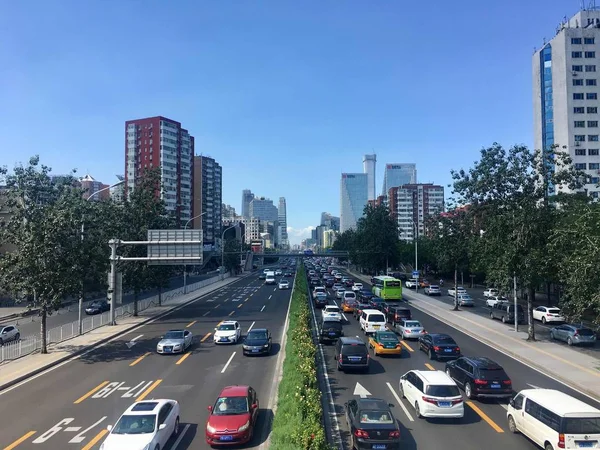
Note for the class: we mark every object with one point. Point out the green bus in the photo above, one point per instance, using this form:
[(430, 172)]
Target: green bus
[(387, 288)]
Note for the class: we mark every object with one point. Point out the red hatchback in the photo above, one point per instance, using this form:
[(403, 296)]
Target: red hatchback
[(233, 417)]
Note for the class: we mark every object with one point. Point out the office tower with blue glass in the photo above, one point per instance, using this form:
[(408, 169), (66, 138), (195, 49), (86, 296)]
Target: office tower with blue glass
[(353, 199)]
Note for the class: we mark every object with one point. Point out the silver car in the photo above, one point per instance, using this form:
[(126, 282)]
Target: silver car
[(175, 341), (465, 300), (410, 329), (9, 333), (433, 290), (573, 334)]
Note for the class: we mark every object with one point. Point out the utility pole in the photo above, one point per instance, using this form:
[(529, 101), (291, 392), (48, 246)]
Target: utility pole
[(515, 299), (113, 278)]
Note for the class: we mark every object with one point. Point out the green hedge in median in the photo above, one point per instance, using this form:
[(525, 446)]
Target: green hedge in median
[(298, 421)]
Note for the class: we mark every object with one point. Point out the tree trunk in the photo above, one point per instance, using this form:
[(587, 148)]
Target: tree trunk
[(455, 288), (160, 296), (530, 327), (548, 294), (135, 302), (44, 346)]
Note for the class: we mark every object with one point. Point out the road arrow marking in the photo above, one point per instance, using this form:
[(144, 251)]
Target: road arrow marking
[(132, 342), (361, 391)]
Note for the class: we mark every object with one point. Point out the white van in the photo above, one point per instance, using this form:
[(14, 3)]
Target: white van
[(553, 419), (372, 320)]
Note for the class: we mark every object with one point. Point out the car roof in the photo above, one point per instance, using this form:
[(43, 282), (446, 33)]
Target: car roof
[(483, 362), (258, 329), (438, 377), (372, 311), (147, 406), (372, 403), (558, 402), (228, 322), (440, 335), (351, 340), (385, 332), (234, 391)]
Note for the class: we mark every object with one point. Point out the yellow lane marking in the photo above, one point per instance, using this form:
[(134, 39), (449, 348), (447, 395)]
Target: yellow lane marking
[(231, 313), (406, 346), (191, 324), (183, 358), (206, 336), (219, 324), (139, 359), (20, 440), (485, 417), (90, 393), (240, 305), (147, 391), (429, 366), (95, 440)]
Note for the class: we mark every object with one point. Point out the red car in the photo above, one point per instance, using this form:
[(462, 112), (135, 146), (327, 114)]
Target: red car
[(233, 417)]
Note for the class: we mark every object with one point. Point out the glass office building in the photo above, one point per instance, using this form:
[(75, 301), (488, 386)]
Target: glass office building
[(353, 199)]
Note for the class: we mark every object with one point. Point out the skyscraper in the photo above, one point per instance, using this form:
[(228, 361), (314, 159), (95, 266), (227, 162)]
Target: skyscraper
[(353, 199), (330, 221), (161, 142), (91, 186), (208, 191), (565, 94), (398, 174), (263, 208), (369, 166), (412, 204), (282, 218), (247, 197)]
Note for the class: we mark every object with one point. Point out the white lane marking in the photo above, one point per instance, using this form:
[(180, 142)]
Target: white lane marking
[(180, 438), (206, 314), (270, 297), (263, 308), (250, 327), (336, 303), (504, 406), (228, 362), (534, 386), (399, 400)]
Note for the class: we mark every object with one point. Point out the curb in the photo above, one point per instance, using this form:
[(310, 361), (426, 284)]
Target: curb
[(102, 341), (508, 352)]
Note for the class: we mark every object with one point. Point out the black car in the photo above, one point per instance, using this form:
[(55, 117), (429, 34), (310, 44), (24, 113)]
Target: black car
[(376, 303), (320, 301), (372, 424), (352, 353), (97, 307), (288, 274), (329, 282), (257, 342), (480, 377), (365, 295), (262, 276), (395, 314), (439, 346), (330, 330), (358, 309), (315, 281)]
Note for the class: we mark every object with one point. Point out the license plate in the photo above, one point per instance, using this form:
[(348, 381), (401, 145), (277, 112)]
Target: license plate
[(255, 350), (444, 404), (379, 446), (168, 350), (331, 334), (496, 386), (583, 444), (224, 340), (354, 358), (376, 327), (447, 350), (226, 438)]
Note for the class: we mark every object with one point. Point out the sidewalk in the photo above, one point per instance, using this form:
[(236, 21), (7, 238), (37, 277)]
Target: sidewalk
[(15, 371), (573, 368)]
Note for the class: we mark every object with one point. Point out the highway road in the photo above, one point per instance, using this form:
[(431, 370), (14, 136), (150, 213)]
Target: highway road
[(484, 424), (30, 325), (70, 407)]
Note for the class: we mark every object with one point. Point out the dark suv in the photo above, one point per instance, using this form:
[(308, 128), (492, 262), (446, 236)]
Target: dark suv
[(351, 353), (505, 312), (480, 377), (330, 330), (396, 314)]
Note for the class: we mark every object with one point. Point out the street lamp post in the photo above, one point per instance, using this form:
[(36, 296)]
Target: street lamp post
[(415, 237), (223, 249), (185, 265), (81, 297)]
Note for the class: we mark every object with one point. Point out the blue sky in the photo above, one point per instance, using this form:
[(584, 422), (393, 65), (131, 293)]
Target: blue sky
[(286, 95)]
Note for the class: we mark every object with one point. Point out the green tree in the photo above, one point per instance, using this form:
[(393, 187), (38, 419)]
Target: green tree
[(376, 239), (44, 228), (231, 256), (510, 200)]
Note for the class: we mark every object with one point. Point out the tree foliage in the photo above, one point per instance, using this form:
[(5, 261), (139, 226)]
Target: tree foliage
[(231, 257)]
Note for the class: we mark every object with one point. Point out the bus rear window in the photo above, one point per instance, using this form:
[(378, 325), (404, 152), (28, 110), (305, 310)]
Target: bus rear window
[(392, 283), (581, 425)]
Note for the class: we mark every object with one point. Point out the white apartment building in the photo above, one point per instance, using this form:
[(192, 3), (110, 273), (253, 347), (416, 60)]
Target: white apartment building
[(565, 94), (412, 204)]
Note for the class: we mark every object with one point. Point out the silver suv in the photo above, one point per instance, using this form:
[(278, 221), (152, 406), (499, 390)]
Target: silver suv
[(9, 333)]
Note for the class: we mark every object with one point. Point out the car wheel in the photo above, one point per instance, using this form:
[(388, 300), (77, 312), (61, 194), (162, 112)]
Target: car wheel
[(492, 316), (512, 426), (448, 373), (548, 447), (544, 320), (430, 354), (570, 341), (17, 336), (176, 428), (418, 411), (401, 391), (157, 447), (503, 319), (468, 391)]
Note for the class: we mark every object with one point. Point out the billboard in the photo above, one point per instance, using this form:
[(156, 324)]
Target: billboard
[(178, 248)]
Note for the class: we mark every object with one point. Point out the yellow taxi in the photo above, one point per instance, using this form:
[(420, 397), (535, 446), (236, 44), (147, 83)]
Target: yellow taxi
[(349, 304), (385, 343)]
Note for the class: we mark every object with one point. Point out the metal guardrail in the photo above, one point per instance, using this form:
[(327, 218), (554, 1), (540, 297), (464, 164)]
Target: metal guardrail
[(31, 344)]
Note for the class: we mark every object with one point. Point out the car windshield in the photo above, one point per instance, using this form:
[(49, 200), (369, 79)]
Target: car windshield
[(375, 416), (444, 340), (493, 374), (412, 324), (377, 318), (442, 391), (332, 325), (355, 350), (332, 309), (388, 337), (174, 335), (135, 424), (553, 310), (433, 286), (256, 335), (226, 327), (95, 304), (230, 406), (585, 332), (581, 425)]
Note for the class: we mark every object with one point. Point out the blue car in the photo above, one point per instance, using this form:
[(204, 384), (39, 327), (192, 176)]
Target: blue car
[(365, 295)]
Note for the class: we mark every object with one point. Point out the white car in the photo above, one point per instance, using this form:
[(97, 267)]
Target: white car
[(284, 284), (432, 393), (491, 292), (412, 283), (357, 287), (547, 314), (491, 301), (270, 279), (278, 272), (318, 289), (459, 290), (332, 312), (175, 341), (227, 332), (144, 425), (340, 292)]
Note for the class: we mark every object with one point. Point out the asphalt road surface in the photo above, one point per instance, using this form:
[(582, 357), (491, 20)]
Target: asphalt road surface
[(484, 424), (70, 407), (30, 325)]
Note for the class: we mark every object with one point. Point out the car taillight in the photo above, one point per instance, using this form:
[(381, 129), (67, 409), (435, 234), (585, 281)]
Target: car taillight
[(576, 333), (457, 401), (429, 400), (340, 360), (368, 356), (480, 381), (457, 349), (361, 434), (436, 348), (394, 434), (398, 346), (408, 331), (507, 382), (561, 441)]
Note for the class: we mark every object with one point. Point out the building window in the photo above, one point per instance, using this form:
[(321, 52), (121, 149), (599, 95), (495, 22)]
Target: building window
[(594, 166), (593, 137), (590, 82), (590, 54), (594, 180), (590, 68), (580, 166), (580, 152), (593, 152), (591, 96), (575, 41), (594, 194), (577, 68), (580, 124), (588, 41), (579, 138), (577, 82), (578, 110), (576, 54), (592, 124), (592, 110), (578, 96)]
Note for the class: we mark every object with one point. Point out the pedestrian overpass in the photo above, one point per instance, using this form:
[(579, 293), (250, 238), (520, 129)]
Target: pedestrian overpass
[(332, 254)]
